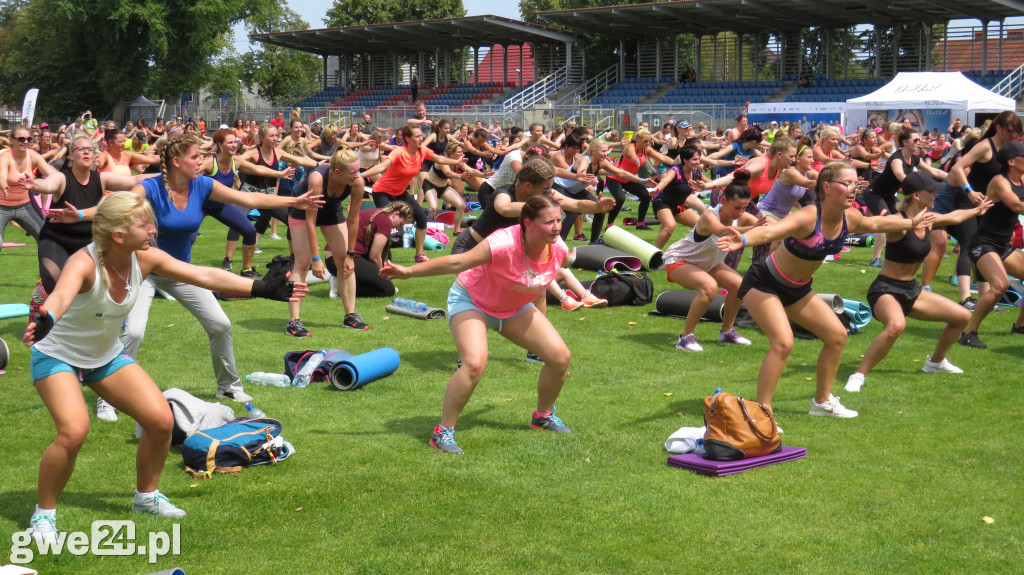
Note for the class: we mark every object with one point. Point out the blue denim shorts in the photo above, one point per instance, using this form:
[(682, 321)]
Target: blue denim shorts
[(43, 366), (459, 301)]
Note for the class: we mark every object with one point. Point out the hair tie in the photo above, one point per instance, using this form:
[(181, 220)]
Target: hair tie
[(801, 150)]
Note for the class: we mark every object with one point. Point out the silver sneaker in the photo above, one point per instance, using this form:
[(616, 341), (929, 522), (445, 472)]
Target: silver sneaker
[(234, 393), (940, 366), (831, 408), (157, 504), (105, 411)]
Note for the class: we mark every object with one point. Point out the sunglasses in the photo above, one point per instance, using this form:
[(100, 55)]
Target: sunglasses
[(24, 139)]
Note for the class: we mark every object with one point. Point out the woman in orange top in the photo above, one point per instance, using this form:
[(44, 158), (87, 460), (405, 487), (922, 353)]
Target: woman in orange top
[(118, 160), (633, 158), (398, 169), (17, 166)]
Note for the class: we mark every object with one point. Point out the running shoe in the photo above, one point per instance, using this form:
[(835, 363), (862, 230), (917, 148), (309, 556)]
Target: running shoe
[(296, 328), (549, 422), (855, 383), (422, 258), (156, 503), (579, 238), (969, 304), (225, 265), (1016, 329), (251, 273), (591, 300), (258, 251), (353, 321), (875, 262), (534, 358), (43, 527), (732, 337), (831, 408), (234, 392), (688, 343), (569, 303), (940, 366), (443, 439), (105, 411), (274, 237), (926, 288), (643, 228), (970, 339)]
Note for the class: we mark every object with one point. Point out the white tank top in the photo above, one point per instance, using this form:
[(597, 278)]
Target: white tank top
[(86, 335), (704, 255), (506, 174)]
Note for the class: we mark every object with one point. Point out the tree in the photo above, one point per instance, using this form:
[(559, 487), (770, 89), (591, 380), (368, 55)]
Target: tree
[(100, 52), (280, 75), (362, 12)]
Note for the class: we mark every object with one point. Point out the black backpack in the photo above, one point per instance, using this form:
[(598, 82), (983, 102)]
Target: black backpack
[(624, 288)]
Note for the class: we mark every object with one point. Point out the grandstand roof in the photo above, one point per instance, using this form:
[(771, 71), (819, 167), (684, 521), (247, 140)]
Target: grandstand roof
[(711, 16), (446, 33)]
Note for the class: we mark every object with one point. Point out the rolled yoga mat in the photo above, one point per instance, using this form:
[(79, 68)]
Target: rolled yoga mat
[(9, 310), (5, 354), (858, 312), (13, 245), (836, 303), (431, 313), (678, 302), (357, 371), (860, 241), (603, 258), (430, 244), (620, 239)]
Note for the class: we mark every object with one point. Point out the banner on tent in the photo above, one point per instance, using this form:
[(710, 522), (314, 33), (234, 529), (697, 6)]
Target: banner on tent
[(797, 108)]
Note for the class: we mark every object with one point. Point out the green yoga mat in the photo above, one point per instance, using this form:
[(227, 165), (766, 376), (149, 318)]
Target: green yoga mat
[(620, 239), (430, 244), (9, 310)]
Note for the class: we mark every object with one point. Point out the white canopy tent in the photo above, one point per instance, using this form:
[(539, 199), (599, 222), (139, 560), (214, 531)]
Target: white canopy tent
[(939, 91)]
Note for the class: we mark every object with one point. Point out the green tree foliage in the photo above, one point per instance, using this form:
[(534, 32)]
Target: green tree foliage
[(95, 53), (361, 12), (280, 75)]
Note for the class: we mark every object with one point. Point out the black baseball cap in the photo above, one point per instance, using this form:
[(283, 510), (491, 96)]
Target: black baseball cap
[(1009, 151), (917, 181)]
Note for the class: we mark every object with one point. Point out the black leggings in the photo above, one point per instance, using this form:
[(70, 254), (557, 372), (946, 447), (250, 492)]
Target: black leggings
[(368, 280), (483, 195), (238, 223), (618, 190), (963, 233), (280, 214), (419, 215), (52, 258)]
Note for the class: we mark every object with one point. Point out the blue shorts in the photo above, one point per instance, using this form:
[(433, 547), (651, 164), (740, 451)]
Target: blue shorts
[(44, 366), (459, 301)]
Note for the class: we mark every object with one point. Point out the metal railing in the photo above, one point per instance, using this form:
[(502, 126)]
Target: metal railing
[(1012, 85), (591, 88), (537, 91)]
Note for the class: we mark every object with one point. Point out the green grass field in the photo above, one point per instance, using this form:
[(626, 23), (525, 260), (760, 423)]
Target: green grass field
[(900, 489)]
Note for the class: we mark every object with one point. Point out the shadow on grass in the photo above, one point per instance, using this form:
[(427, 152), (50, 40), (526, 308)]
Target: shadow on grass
[(17, 506), (421, 426)]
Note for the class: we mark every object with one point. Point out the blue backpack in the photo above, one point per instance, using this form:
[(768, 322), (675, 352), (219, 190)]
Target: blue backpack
[(234, 446)]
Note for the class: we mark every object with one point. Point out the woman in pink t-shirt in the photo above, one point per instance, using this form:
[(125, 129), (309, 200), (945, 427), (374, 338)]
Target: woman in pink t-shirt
[(497, 283)]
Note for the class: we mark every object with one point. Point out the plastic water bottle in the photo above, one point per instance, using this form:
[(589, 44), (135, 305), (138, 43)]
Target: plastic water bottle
[(408, 236), (264, 378), (254, 412), (303, 376), (410, 304)]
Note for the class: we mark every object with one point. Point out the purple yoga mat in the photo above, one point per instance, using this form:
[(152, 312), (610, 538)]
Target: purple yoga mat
[(695, 462)]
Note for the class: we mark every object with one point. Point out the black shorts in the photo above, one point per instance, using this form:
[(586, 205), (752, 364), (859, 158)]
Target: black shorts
[(876, 203), (980, 246), (759, 277), (905, 292), (675, 209)]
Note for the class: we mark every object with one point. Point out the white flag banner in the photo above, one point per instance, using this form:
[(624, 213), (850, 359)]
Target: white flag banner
[(28, 107)]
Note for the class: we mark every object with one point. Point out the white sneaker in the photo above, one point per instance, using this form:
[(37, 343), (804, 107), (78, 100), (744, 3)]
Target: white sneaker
[(831, 408), (855, 382), (732, 337), (940, 367), (257, 251), (43, 527), (105, 411), (274, 237), (334, 287), (156, 503), (688, 343), (234, 393)]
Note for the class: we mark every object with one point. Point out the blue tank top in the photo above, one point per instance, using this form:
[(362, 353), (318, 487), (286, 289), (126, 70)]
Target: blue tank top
[(816, 246), (737, 151), (175, 227), (226, 178)]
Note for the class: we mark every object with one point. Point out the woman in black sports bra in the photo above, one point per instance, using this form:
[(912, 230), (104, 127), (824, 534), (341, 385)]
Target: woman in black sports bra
[(777, 289), (896, 294)]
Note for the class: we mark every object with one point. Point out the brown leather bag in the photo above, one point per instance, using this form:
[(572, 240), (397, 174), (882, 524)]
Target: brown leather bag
[(737, 430)]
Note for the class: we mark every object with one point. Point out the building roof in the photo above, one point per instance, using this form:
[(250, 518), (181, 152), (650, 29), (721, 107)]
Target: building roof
[(704, 17), (421, 35)]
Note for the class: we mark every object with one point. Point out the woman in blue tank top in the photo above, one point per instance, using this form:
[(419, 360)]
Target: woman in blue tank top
[(778, 288)]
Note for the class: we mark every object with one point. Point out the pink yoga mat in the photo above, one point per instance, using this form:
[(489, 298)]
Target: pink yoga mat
[(13, 245), (695, 462)]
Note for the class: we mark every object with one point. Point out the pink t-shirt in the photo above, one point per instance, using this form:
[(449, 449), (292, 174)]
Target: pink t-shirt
[(502, 287)]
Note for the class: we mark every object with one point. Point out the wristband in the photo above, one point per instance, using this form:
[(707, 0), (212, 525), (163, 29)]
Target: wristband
[(315, 259), (350, 254), (744, 238), (968, 189), (81, 215)]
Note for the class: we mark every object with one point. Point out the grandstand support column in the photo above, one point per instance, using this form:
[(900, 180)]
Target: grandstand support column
[(1002, 36), (622, 60), (369, 64), (828, 53), (675, 59), (568, 59), (504, 63), (739, 57), (700, 41), (637, 58), (800, 57), (657, 58), (420, 76), (929, 30), (878, 51), (476, 65), (984, 47), (945, 47)]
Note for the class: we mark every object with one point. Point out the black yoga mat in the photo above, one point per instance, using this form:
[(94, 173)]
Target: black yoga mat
[(678, 302), (603, 258)]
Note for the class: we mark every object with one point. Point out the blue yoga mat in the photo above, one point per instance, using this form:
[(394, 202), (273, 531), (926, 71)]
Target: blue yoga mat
[(858, 312), (357, 371), (8, 310), (431, 244)]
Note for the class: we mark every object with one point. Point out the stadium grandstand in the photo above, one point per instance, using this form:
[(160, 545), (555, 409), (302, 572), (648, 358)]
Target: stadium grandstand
[(707, 60)]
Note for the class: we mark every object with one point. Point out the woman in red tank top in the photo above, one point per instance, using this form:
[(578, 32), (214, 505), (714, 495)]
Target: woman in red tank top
[(633, 158)]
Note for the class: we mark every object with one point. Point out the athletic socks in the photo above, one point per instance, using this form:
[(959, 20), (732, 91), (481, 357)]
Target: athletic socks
[(542, 414), (41, 511)]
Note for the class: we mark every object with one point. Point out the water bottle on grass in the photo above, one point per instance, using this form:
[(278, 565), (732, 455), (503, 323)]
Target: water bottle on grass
[(254, 412), (303, 376), (264, 378), (410, 304)]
